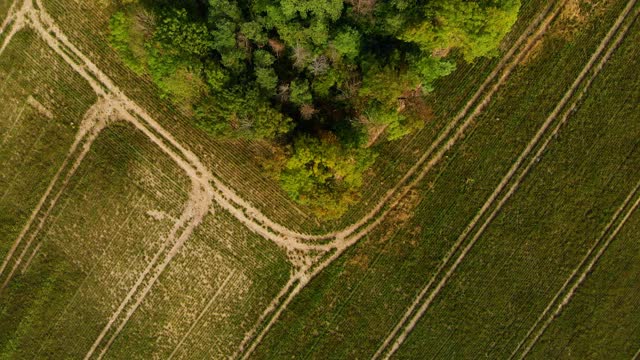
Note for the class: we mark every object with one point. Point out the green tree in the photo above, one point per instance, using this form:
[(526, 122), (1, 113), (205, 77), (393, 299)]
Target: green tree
[(475, 27), (347, 43), (325, 175), (310, 76)]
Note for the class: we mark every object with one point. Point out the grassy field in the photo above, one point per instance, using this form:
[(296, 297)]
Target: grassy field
[(43, 102), (547, 228), (515, 244), (358, 300), (104, 231), (96, 240)]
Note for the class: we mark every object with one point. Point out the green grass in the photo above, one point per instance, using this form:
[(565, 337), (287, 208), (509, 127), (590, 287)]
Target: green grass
[(100, 235), (349, 309)]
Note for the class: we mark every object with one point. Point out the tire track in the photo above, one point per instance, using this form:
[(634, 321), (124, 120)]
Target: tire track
[(91, 272), (293, 288), (102, 85), (202, 313), (340, 236), (506, 66), (558, 109), (89, 129), (45, 27), (201, 202), (10, 15), (14, 20), (249, 216), (171, 246), (587, 259)]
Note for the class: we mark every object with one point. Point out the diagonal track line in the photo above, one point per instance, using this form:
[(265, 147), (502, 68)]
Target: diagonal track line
[(202, 313), (590, 259)]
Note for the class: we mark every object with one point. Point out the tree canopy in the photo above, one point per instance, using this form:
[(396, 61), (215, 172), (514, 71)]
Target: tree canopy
[(312, 76)]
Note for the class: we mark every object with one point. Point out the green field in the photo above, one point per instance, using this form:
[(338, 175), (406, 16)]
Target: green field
[(384, 272), (514, 237), (602, 318), (34, 142)]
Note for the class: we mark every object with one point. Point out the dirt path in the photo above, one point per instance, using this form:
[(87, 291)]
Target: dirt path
[(45, 26), (201, 196), (254, 219), (245, 212), (251, 340), (93, 134), (590, 258), (558, 109), (30, 258), (196, 210), (202, 313), (10, 15)]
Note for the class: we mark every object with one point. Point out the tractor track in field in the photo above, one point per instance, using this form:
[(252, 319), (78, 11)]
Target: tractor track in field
[(560, 107), (590, 259), (201, 315), (121, 108), (36, 18), (15, 20), (584, 259)]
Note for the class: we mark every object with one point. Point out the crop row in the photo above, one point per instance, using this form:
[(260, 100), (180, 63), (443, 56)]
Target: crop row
[(602, 320), (112, 216)]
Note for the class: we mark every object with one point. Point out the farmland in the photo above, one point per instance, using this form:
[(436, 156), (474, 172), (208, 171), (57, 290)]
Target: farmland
[(505, 229)]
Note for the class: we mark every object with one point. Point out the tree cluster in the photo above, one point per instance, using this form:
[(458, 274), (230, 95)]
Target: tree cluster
[(312, 76)]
